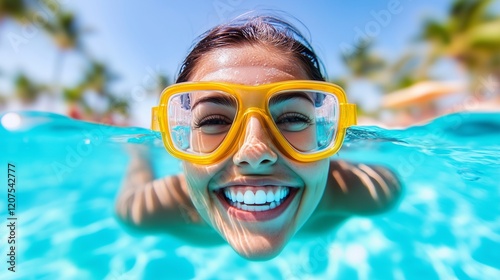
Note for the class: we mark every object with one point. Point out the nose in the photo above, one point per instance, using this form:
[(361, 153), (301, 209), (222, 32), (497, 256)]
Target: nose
[(255, 151)]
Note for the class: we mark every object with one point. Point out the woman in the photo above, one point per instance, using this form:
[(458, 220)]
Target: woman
[(255, 125)]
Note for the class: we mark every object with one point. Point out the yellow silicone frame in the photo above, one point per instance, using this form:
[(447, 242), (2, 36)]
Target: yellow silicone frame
[(251, 104)]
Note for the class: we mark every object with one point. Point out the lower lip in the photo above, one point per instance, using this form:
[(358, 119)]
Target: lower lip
[(257, 216)]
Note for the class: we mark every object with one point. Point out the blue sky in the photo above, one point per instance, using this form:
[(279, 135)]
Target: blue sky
[(137, 38), (154, 33)]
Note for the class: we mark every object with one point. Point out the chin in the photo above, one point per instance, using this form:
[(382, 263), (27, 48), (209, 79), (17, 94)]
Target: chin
[(259, 253), (257, 235)]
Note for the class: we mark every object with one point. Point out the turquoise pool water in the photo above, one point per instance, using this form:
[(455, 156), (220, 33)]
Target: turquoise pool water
[(68, 173)]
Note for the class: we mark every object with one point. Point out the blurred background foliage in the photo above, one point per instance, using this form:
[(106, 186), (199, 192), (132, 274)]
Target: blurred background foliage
[(469, 35), (64, 29)]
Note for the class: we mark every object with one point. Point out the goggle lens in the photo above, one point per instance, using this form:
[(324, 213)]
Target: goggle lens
[(200, 120), (307, 119)]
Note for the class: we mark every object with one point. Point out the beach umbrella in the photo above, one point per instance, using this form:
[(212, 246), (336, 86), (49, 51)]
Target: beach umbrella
[(420, 93)]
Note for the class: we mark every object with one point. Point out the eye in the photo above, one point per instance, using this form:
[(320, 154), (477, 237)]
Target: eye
[(293, 122), (213, 124)]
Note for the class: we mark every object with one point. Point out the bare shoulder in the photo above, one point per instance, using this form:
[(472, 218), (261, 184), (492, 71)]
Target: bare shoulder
[(353, 189), (359, 189), (164, 206)]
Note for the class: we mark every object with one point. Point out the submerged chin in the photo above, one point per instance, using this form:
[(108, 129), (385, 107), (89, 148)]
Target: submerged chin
[(256, 228), (258, 248)]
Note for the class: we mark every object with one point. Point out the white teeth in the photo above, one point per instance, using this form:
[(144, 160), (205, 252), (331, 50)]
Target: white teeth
[(254, 208), (270, 197), (230, 194), (261, 200), (262, 208), (260, 197), (277, 195), (249, 197), (239, 197)]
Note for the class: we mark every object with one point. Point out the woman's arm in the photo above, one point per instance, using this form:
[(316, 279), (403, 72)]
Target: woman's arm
[(161, 205), (359, 189)]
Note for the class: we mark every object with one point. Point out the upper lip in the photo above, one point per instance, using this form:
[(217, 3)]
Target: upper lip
[(258, 182)]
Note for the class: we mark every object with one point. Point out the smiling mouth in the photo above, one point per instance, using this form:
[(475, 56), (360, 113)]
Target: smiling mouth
[(254, 203)]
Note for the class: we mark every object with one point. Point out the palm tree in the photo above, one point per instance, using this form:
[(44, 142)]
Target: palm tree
[(64, 31), (26, 90), (98, 78), (73, 97), (403, 72), (470, 35), (16, 9), (117, 106), (21, 11), (162, 81), (3, 100), (362, 62), (364, 79)]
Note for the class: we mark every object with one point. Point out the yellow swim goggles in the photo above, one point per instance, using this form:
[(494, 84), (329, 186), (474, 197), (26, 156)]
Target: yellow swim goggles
[(204, 122)]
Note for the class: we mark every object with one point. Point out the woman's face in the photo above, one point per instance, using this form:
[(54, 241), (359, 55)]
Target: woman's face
[(292, 189)]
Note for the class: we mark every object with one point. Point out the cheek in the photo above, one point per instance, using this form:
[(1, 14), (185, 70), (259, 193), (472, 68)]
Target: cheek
[(197, 179), (197, 176), (315, 176), (303, 141)]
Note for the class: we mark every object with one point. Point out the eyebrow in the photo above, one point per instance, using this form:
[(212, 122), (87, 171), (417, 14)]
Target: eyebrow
[(287, 96), (220, 100)]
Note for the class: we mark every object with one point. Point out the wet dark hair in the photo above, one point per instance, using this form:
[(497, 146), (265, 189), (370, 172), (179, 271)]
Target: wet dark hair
[(263, 30)]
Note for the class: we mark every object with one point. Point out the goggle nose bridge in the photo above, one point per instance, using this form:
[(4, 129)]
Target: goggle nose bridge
[(265, 120), (252, 98), (253, 104), (258, 113)]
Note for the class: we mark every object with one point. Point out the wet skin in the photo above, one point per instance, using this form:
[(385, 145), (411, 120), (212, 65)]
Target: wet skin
[(191, 205), (257, 163)]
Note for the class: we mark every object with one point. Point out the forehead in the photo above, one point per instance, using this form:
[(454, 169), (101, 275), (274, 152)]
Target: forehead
[(248, 65)]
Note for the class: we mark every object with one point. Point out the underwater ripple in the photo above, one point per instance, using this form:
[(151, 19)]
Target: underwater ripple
[(446, 226)]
